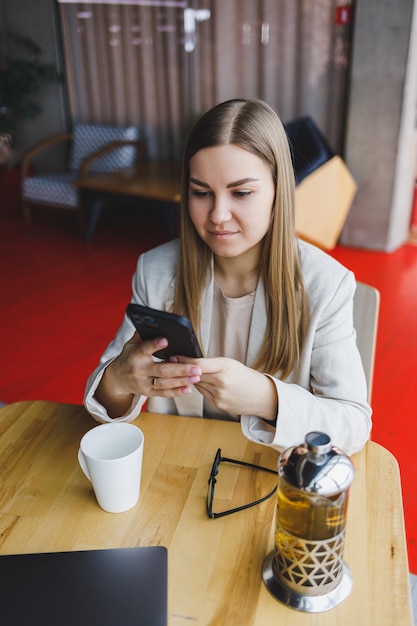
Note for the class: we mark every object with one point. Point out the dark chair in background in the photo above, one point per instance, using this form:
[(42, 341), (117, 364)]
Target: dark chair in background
[(325, 189), (309, 148), (94, 149)]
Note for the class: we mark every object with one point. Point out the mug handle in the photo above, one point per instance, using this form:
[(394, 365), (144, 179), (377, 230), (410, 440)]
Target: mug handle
[(83, 465)]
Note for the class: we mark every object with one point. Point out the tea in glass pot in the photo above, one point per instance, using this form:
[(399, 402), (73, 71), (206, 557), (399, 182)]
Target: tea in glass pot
[(306, 569)]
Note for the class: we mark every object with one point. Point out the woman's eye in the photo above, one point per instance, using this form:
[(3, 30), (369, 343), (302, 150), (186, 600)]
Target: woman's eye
[(242, 193), (200, 193)]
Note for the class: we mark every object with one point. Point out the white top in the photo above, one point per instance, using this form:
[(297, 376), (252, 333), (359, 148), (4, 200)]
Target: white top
[(229, 335)]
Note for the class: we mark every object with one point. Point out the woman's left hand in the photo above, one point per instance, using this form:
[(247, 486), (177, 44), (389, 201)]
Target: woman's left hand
[(235, 388)]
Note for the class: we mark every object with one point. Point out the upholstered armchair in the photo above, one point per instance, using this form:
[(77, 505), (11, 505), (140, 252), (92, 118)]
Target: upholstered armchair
[(94, 149)]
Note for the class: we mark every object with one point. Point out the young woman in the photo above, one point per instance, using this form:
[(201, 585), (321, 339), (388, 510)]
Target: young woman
[(273, 314)]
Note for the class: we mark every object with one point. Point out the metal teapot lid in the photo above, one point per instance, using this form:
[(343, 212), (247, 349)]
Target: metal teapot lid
[(316, 466)]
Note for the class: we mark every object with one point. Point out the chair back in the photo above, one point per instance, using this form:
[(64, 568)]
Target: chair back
[(309, 148), (365, 320), (88, 138)]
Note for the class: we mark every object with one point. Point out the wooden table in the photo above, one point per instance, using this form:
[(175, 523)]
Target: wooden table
[(46, 504), (153, 180)]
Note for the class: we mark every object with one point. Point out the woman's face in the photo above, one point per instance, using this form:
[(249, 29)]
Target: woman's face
[(230, 198)]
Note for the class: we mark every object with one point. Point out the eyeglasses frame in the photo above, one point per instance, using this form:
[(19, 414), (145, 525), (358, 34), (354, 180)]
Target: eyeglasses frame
[(212, 484)]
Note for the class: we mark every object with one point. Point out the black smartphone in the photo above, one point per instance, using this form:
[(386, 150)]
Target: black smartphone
[(151, 323)]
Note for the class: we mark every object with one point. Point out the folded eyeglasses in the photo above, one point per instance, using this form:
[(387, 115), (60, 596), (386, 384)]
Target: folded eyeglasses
[(213, 480)]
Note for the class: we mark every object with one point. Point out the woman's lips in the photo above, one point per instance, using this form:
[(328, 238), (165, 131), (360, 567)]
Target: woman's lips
[(221, 234)]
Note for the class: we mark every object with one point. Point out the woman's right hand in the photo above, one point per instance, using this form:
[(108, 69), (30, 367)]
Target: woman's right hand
[(135, 372)]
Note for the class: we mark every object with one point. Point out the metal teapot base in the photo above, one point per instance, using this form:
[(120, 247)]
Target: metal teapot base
[(300, 602)]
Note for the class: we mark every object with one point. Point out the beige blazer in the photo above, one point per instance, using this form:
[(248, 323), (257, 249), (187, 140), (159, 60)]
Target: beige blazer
[(328, 394)]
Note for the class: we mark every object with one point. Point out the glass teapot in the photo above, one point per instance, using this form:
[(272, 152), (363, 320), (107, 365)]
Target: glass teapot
[(306, 568)]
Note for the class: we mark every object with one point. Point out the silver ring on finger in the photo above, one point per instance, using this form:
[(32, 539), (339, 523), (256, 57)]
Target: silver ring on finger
[(154, 383)]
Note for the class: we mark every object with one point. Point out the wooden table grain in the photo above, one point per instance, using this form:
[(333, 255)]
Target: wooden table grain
[(156, 180), (150, 180), (47, 504)]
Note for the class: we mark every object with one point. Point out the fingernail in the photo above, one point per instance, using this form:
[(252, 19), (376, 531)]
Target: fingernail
[(162, 342), (186, 391), (173, 359), (194, 379), (195, 371)]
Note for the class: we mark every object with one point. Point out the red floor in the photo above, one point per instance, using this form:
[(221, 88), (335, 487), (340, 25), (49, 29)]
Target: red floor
[(394, 398), (62, 300)]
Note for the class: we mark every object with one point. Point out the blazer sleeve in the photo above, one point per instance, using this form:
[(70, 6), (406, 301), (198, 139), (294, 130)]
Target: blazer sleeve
[(329, 394)]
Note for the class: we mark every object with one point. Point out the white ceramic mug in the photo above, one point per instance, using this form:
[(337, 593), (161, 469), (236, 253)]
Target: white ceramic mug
[(110, 456)]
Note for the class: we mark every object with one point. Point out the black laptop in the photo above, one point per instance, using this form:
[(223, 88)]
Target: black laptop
[(121, 587)]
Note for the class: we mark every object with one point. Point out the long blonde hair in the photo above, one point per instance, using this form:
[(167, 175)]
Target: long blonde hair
[(256, 127)]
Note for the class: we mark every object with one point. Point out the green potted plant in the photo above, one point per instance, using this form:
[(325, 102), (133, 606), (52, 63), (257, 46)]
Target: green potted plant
[(22, 76)]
